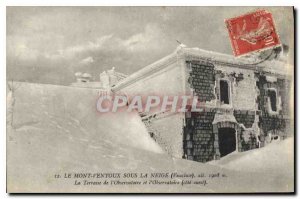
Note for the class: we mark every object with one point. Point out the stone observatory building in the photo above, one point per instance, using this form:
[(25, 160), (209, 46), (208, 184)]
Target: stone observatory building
[(246, 104)]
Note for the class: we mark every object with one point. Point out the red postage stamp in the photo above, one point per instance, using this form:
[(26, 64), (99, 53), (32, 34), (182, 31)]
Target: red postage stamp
[(252, 32)]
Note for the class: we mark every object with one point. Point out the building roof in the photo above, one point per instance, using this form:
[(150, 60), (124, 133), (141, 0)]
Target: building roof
[(274, 67)]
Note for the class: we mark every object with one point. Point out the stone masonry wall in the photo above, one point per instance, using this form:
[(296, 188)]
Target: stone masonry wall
[(244, 117), (277, 123), (200, 142), (198, 132), (198, 136), (250, 143), (247, 138), (202, 79)]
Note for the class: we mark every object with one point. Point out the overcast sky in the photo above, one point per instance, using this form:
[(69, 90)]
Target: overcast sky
[(50, 44)]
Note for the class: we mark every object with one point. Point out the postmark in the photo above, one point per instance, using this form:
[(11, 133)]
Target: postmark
[(252, 32)]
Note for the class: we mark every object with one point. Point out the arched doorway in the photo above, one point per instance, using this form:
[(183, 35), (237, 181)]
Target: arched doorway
[(227, 140)]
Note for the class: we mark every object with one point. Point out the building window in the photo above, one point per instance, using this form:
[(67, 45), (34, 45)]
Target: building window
[(224, 92), (274, 105), (273, 100)]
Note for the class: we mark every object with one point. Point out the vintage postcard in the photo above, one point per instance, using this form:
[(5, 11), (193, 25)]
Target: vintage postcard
[(150, 99)]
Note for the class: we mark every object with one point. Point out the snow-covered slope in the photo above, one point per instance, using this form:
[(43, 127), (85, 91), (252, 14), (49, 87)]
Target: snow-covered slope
[(56, 130), (277, 156), (72, 112)]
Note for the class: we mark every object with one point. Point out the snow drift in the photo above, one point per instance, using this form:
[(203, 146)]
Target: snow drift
[(71, 112), (277, 156)]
